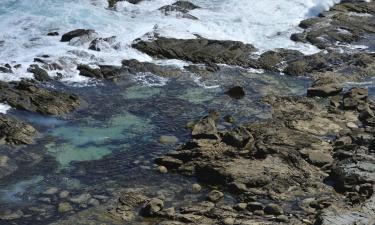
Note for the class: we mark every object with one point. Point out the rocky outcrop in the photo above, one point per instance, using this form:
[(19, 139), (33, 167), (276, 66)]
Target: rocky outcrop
[(182, 9), (257, 161), (25, 95), (198, 50), (343, 24), (15, 132)]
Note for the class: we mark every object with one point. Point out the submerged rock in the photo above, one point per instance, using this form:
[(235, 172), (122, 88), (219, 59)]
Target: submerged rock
[(236, 92), (7, 166), (168, 139), (64, 207)]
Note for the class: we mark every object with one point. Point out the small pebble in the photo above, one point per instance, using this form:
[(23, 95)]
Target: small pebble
[(215, 196), (162, 169), (93, 202), (167, 139), (259, 212), (282, 218), (241, 206), (196, 188), (64, 207), (352, 125), (64, 194), (273, 209), (229, 221), (51, 191)]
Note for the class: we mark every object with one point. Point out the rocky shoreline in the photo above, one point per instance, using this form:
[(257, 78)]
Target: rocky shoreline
[(312, 162)]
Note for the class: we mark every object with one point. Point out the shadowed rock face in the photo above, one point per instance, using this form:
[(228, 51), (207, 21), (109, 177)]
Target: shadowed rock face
[(199, 50), (26, 96)]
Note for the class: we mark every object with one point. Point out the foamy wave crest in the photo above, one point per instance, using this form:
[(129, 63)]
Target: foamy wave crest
[(150, 80), (4, 108), (267, 24)]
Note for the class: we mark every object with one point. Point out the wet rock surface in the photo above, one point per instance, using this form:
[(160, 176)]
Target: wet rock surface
[(15, 132), (182, 9), (343, 24), (27, 96), (78, 35), (198, 50)]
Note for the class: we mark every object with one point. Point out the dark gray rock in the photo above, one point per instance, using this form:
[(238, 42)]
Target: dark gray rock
[(103, 72), (236, 92), (76, 33), (198, 50)]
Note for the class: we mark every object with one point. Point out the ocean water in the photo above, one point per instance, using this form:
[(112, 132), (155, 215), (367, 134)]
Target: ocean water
[(267, 24)]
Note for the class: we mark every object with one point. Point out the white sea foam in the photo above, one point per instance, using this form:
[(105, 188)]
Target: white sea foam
[(267, 24), (4, 108), (151, 80)]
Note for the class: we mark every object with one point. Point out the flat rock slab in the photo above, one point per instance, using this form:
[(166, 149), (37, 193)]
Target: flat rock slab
[(199, 50), (27, 96)]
